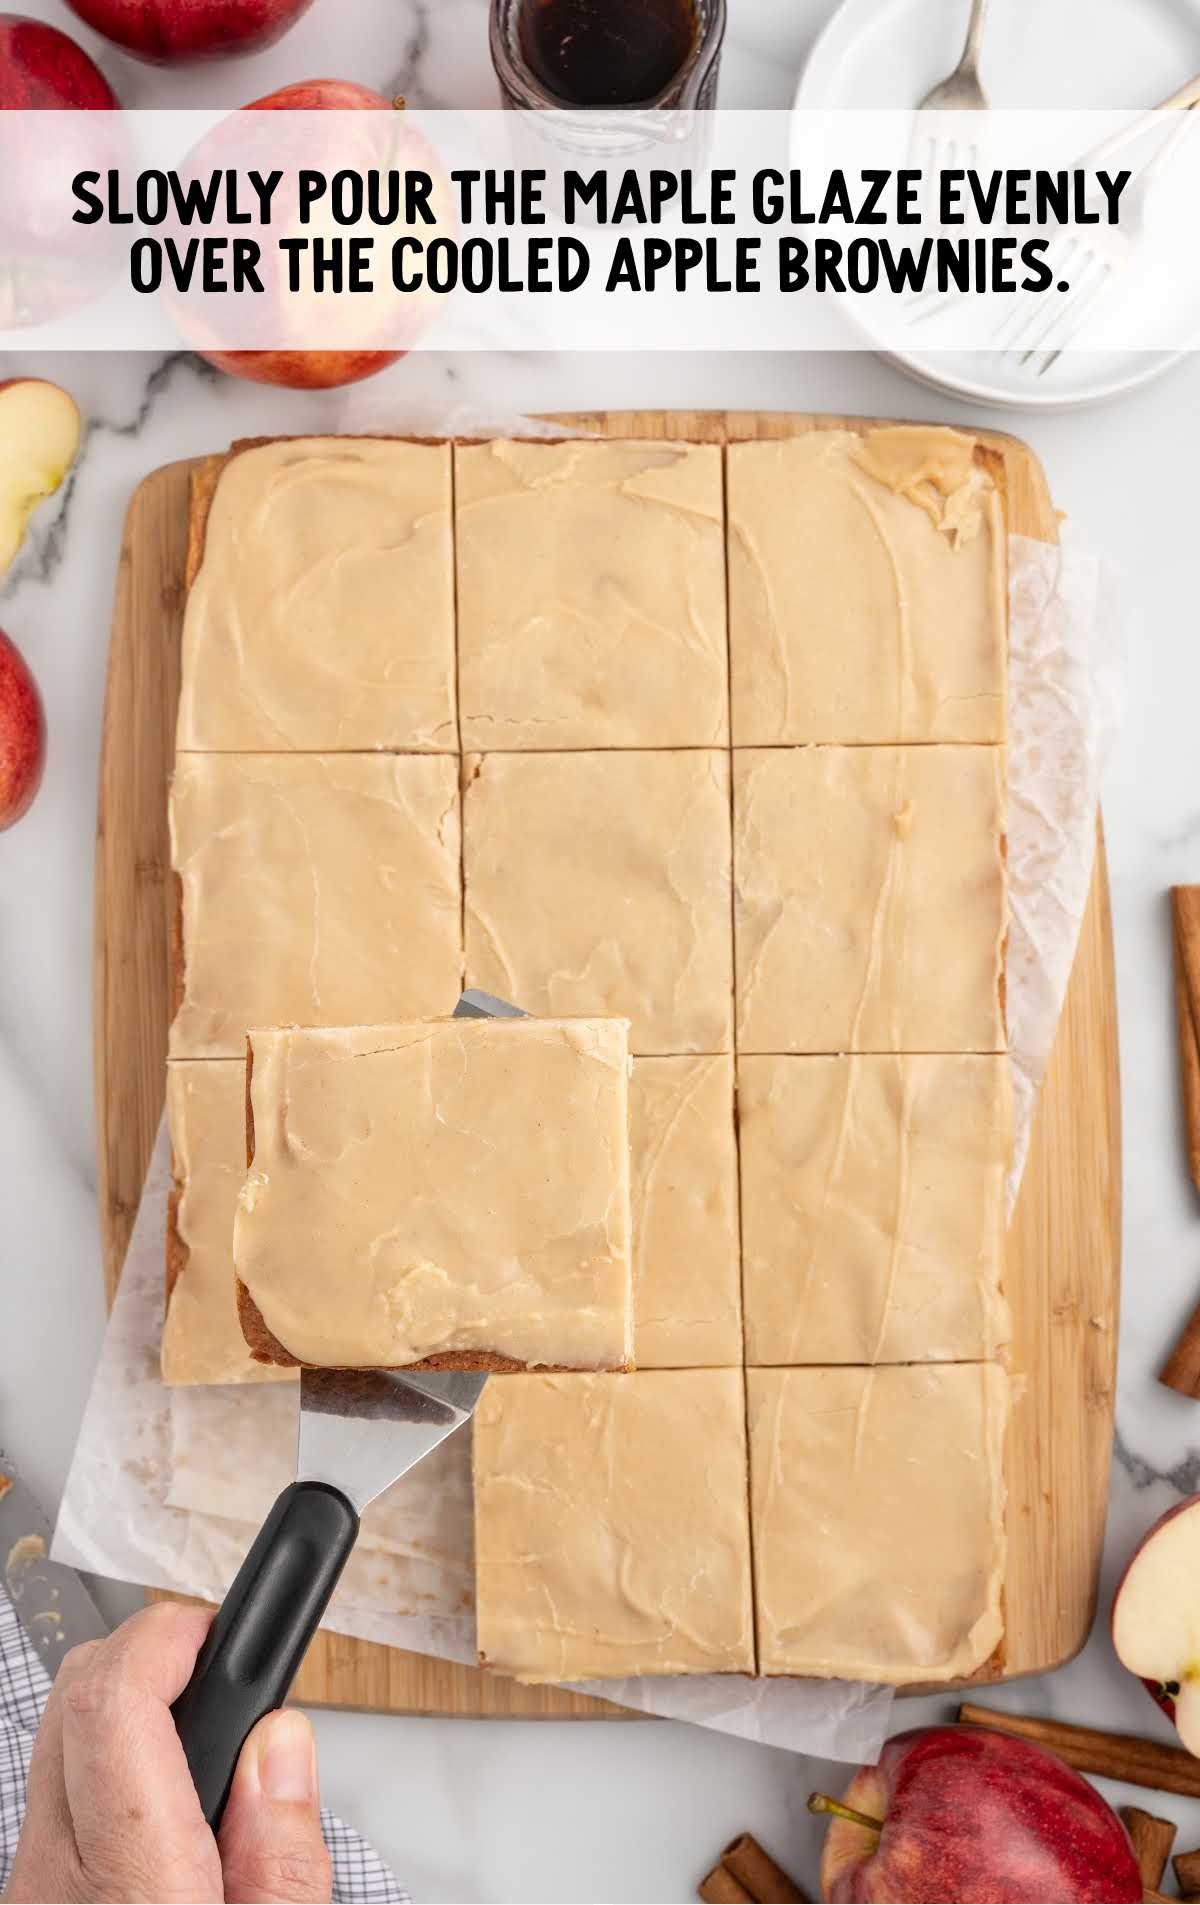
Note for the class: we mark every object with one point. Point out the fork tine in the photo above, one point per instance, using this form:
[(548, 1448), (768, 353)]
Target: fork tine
[(1018, 321), (928, 304), (1087, 288), (1026, 333), (1074, 316), (1038, 337), (1065, 321), (1030, 307)]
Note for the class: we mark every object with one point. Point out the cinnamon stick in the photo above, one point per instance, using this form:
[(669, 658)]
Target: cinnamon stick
[(1185, 910), (719, 1887), (1181, 1371), (1139, 1762), (766, 1882), (1152, 1839), (1187, 1871)]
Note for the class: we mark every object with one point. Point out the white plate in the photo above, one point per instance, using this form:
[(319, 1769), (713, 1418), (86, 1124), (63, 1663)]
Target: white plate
[(1131, 53)]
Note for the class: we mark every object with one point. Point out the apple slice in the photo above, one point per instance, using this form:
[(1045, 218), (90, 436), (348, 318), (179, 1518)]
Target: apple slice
[(1156, 1617), (39, 435)]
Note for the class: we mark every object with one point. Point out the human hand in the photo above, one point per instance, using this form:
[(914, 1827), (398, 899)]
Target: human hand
[(112, 1813)]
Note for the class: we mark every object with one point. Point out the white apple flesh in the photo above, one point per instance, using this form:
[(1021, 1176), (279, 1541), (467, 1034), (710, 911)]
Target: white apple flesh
[(39, 436), (1156, 1617)]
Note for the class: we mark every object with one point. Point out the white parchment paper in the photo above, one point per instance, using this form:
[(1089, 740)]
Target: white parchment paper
[(1063, 702), (167, 1486)]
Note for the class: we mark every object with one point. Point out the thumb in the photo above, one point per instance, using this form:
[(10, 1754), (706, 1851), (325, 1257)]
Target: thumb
[(272, 1852)]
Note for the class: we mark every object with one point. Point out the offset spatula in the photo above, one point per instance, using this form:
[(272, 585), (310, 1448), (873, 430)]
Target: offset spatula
[(360, 1430)]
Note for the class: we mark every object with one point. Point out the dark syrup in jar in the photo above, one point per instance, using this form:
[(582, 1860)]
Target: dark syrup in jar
[(606, 52)]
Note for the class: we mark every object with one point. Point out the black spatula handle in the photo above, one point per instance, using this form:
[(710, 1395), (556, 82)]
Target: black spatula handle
[(260, 1633)]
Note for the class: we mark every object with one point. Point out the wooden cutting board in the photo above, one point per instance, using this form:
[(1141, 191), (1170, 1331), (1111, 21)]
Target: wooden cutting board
[(1062, 1271)]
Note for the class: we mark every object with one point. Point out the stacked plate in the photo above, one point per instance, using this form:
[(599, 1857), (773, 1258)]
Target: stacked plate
[(885, 53)]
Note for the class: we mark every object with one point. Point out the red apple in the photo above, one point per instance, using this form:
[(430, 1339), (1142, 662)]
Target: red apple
[(960, 1812), (303, 370), (1156, 1617), (167, 31), (42, 70), (39, 435), (310, 370), (322, 95), (22, 734), (324, 369), (49, 264)]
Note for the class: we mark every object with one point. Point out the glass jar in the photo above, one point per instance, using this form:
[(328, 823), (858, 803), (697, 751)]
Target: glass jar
[(693, 86)]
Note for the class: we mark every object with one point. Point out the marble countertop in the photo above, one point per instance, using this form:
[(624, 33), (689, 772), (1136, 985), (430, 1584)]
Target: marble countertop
[(576, 1810)]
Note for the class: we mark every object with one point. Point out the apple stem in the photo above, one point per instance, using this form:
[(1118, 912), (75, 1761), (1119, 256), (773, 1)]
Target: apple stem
[(821, 1802)]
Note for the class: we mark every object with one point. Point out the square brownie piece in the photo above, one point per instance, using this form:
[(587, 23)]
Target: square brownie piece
[(597, 884), (878, 1515), (321, 616), (611, 1525), (870, 899), (591, 595), (866, 589)]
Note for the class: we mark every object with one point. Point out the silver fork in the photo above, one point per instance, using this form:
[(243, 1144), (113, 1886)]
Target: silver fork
[(960, 91), (1089, 260)]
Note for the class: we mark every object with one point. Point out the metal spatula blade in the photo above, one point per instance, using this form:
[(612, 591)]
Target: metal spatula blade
[(360, 1431)]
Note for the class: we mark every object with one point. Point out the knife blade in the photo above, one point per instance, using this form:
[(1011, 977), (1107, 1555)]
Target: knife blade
[(50, 1600)]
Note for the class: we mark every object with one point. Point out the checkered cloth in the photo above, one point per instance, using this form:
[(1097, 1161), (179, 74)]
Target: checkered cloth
[(359, 1875)]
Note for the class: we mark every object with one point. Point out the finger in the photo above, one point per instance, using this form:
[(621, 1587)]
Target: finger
[(138, 1825), (272, 1852), (46, 1793), (46, 1864)]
